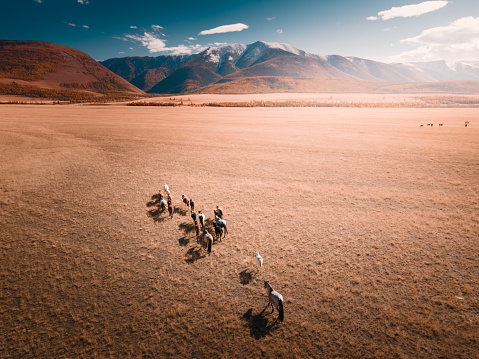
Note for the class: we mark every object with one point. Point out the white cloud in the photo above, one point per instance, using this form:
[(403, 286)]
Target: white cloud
[(279, 31), (86, 26), (192, 38), (69, 23), (84, 2), (156, 27), (38, 1), (133, 27), (271, 18), (410, 10), (154, 44), (225, 28), (454, 42), (220, 43)]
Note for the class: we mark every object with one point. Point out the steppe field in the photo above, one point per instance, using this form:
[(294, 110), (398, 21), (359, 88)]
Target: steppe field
[(368, 225)]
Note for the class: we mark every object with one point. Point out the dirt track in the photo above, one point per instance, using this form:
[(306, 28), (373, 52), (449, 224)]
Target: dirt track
[(367, 223)]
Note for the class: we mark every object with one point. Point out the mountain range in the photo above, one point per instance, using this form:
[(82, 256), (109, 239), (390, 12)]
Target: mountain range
[(46, 70), (234, 68)]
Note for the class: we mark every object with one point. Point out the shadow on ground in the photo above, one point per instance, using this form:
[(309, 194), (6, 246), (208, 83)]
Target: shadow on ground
[(258, 324), (246, 277), (193, 254)]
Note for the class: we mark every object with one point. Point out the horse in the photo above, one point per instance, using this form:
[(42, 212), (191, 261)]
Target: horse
[(160, 194), (218, 231), (163, 204), (185, 200), (259, 261), (218, 212), (275, 300), (193, 216), (221, 223), (192, 204), (208, 240), (170, 208), (201, 217), (166, 188), (197, 228)]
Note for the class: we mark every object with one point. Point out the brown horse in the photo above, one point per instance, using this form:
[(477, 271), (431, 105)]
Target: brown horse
[(185, 200), (208, 240), (170, 208)]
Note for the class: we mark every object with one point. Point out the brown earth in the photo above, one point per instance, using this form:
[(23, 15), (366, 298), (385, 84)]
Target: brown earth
[(368, 225)]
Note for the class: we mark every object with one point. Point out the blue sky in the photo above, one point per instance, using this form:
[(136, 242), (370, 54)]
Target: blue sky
[(385, 30)]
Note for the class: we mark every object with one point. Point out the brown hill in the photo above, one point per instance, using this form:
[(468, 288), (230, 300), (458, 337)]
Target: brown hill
[(269, 84), (36, 67)]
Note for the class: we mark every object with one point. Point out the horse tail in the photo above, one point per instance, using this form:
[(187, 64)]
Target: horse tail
[(281, 310), (209, 245)]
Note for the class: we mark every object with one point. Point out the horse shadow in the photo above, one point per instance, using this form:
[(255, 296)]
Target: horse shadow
[(194, 254), (258, 324), (187, 227), (180, 211), (183, 241), (155, 214), (246, 277)]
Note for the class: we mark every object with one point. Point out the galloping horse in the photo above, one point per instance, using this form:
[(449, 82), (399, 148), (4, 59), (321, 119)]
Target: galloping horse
[(275, 300)]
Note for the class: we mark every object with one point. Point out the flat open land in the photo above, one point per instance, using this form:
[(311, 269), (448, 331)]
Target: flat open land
[(368, 225)]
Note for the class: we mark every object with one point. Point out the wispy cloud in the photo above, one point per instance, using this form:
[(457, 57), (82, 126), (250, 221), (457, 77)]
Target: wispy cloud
[(133, 27), (279, 31), (225, 28), (456, 41), (75, 25), (155, 44), (410, 10), (271, 18), (71, 24), (156, 27), (84, 2), (38, 1), (85, 26), (192, 38)]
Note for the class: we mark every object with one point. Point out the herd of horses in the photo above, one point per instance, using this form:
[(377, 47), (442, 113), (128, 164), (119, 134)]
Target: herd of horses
[(206, 239)]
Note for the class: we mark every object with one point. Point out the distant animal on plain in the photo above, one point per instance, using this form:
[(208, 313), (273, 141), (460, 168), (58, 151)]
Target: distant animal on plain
[(221, 223), (441, 124), (259, 261), (170, 208), (201, 218), (160, 194), (185, 200), (275, 300), (192, 204), (466, 123), (166, 188), (421, 125), (208, 240)]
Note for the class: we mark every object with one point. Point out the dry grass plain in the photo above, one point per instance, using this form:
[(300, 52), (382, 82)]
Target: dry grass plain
[(367, 223)]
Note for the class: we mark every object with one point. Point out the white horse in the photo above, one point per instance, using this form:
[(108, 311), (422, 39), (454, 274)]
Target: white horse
[(259, 261), (166, 188), (275, 300), (163, 204), (222, 224), (201, 218)]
